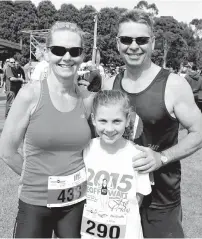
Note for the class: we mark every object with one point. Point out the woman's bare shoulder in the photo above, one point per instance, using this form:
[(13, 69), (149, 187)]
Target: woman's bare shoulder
[(29, 94)]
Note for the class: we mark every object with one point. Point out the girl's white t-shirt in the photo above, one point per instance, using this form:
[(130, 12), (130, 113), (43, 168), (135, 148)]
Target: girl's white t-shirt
[(112, 209)]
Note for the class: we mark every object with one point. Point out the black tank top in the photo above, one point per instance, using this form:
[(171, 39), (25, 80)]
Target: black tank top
[(160, 131)]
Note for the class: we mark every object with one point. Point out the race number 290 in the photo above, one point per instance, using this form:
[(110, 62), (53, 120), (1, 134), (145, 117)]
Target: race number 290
[(102, 227), (102, 230)]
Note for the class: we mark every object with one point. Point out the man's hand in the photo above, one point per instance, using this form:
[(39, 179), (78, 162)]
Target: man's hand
[(147, 160), (93, 82), (21, 79)]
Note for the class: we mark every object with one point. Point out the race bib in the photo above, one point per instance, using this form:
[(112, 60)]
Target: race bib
[(98, 224), (67, 190)]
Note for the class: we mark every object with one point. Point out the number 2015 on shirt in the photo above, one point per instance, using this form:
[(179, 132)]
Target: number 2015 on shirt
[(121, 182)]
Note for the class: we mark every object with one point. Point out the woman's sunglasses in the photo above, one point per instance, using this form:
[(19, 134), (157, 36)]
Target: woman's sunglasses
[(128, 40), (61, 51)]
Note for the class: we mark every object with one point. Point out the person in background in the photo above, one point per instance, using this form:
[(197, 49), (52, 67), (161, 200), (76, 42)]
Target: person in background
[(14, 81), (19, 70), (6, 63), (195, 80), (1, 77), (42, 66)]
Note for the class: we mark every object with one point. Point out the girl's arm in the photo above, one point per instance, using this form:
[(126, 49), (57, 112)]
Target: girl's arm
[(15, 127)]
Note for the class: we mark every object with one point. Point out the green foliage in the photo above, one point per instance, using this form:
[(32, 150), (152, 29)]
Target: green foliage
[(150, 8), (46, 14), (107, 19), (87, 15), (6, 12), (197, 23), (69, 13), (176, 42), (88, 38), (169, 39)]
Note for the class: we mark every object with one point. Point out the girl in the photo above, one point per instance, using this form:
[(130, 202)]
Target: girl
[(108, 160)]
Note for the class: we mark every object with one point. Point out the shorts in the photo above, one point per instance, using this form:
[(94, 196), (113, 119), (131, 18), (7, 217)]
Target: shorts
[(40, 221), (162, 223)]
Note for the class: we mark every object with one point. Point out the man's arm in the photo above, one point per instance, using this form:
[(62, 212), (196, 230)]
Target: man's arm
[(23, 73), (15, 79), (184, 108), (10, 75), (189, 115)]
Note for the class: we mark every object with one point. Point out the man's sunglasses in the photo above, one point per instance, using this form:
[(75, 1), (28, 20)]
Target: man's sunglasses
[(128, 40), (61, 51)]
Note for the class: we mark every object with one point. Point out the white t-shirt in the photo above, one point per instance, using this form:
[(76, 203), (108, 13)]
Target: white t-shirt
[(112, 209), (40, 68)]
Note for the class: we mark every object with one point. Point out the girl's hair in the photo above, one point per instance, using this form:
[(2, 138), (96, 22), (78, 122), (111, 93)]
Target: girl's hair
[(114, 97), (64, 26)]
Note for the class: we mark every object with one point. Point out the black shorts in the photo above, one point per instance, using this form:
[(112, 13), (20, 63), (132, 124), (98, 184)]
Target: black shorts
[(39, 221), (162, 223)]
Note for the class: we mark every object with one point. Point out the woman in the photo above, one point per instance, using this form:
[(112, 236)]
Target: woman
[(51, 119)]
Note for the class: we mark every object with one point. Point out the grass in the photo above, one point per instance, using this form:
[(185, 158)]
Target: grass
[(191, 196)]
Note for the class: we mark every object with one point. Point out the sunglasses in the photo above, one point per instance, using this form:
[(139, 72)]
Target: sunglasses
[(61, 51), (129, 40), (12, 62)]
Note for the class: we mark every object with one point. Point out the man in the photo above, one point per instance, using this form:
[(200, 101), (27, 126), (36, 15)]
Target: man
[(14, 82), (162, 100), (195, 80), (6, 63), (19, 71), (42, 66)]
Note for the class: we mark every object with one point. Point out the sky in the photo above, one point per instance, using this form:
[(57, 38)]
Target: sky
[(181, 10)]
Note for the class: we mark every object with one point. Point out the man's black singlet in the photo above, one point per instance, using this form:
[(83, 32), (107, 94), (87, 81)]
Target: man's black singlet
[(160, 131)]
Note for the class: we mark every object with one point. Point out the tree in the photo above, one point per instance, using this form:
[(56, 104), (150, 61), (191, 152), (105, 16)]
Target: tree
[(107, 30), (197, 23), (149, 8), (169, 39), (69, 13), (87, 14), (24, 17), (46, 14), (6, 11), (107, 21)]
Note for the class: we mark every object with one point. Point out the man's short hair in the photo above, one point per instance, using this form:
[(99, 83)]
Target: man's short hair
[(136, 15), (12, 60)]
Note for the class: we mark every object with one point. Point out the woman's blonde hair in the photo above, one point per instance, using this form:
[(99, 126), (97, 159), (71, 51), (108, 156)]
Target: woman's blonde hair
[(62, 26)]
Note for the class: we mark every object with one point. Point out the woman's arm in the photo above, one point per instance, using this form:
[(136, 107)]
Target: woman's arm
[(15, 126)]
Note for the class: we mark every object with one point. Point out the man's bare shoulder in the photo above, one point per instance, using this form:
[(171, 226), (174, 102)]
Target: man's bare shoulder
[(108, 83), (178, 89), (176, 82)]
